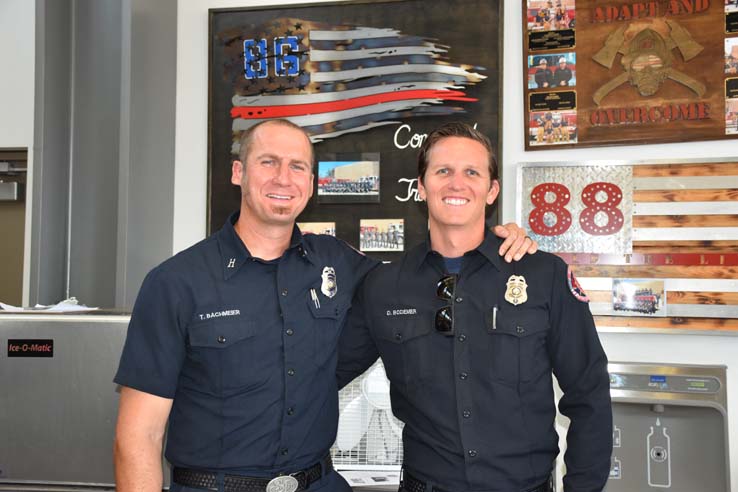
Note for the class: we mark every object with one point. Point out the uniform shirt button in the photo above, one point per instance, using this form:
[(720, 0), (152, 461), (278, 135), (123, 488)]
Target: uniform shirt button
[(466, 414), (290, 332), (398, 336), (462, 337), (472, 453), (290, 372), (284, 292), (285, 452), (463, 375), (520, 329), (290, 411), (221, 339), (459, 299)]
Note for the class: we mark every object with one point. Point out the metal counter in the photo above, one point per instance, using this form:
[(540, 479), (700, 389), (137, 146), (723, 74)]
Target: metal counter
[(59, 404)]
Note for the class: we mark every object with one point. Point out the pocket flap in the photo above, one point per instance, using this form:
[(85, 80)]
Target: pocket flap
[(221, 334), (326, 307), (400, 329), (518, 322)]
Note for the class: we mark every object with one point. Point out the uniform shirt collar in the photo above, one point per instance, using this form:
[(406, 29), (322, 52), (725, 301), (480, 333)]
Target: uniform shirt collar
[(234, 253), (489, 249)]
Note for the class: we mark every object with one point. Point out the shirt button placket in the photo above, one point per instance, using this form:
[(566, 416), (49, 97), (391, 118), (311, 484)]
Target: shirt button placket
[(464, 400)]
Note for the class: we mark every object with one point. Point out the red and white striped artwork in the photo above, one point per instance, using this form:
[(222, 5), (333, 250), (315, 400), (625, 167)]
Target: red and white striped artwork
[(681, 225)]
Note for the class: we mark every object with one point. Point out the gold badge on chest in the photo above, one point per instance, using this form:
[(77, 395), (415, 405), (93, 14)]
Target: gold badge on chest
[(516, 292)]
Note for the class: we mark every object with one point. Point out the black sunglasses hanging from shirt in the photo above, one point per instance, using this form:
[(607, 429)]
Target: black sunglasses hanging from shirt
[(446, 290)]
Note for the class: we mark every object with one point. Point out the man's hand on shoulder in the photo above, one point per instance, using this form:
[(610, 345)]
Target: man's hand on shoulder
[(516, 242)]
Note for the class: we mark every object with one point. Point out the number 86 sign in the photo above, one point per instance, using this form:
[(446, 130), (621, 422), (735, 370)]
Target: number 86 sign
[(579, 209)]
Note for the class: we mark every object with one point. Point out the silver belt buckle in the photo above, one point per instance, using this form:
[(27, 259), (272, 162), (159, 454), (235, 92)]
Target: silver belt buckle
[(284, 483)]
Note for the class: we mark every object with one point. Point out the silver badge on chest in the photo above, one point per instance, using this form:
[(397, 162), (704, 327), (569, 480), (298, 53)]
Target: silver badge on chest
[(285, 483), (516, 292), (328, 286)]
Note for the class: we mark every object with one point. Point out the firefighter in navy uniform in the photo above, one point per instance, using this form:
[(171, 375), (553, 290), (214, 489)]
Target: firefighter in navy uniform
[(563, 74), (470, 343), (233, 341)]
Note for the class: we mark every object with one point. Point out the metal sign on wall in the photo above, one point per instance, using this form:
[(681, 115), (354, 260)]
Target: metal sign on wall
[(671, 224), (367, 80), (602, 73)]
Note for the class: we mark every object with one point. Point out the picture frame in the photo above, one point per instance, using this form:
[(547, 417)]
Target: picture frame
[(646, 73), (440, 59), (349, 178)]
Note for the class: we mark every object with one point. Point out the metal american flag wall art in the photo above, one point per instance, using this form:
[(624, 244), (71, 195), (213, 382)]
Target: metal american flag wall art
[(668, 228), (360, 77)]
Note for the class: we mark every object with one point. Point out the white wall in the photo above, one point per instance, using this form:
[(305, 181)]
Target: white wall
[(17, 89), (17, 58)]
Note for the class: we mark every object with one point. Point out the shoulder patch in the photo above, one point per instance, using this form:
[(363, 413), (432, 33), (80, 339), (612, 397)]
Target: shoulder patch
[(574, 287)]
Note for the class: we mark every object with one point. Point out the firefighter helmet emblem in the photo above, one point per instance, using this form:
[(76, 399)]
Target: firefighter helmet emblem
[(647, 48)]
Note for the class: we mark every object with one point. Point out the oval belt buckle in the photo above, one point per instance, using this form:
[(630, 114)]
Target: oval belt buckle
[(284, 483)]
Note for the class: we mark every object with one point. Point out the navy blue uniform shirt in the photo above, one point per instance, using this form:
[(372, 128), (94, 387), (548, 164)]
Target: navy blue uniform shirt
[(478, 406), (247, 350)]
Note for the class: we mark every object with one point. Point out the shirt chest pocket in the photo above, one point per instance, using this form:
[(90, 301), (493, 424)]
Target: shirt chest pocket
[(517, 345), (327, 317), (403, 343), (222, 355)]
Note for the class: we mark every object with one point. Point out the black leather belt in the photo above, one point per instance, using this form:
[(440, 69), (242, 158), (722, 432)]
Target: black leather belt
[(297, 481), (412, 484)]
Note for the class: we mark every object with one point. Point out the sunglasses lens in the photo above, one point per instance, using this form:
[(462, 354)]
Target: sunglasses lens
[(445, 320), (446, 287)]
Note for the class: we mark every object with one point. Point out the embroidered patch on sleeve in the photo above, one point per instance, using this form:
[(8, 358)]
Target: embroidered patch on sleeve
[(574, 287)]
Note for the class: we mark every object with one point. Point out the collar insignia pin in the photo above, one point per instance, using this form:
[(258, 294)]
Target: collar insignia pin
[(516, 292), (232, 263)]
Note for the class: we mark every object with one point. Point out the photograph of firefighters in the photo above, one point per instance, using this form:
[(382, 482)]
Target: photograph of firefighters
[(731, 116), (638, 297), (549, 15), (552, 127), (731, 56), (348, 181), (552, 71), (381, 234)]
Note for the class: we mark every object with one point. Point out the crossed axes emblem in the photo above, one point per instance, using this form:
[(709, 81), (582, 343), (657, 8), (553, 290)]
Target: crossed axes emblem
[(647, 48)]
